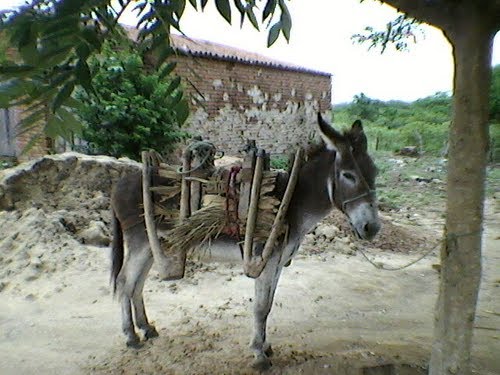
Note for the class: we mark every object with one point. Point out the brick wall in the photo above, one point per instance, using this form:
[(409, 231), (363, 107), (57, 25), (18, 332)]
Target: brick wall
[(24, 137), (235, 101)]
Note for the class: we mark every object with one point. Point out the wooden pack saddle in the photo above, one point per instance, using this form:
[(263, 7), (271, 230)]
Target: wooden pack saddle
[(199, 201)]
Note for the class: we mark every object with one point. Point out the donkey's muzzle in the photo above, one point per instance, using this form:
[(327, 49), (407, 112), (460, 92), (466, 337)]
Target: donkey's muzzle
[(369, 230), (364, 220)]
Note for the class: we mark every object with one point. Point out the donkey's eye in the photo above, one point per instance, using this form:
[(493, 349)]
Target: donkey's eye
[(349, 176)]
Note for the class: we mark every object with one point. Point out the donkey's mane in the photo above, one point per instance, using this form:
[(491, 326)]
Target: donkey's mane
[(314, 149)]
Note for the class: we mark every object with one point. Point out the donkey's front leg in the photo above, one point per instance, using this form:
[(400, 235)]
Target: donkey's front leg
[(265, 286)]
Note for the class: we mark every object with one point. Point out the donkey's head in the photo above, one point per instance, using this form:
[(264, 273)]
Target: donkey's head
[(351, 183)]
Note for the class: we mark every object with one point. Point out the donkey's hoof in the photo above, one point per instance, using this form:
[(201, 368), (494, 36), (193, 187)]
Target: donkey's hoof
[(134, 343), (268, 350), (262, 363), (151, 333)]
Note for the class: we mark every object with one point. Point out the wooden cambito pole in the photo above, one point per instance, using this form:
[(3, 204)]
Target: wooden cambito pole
[(246, 174), (252, 212), (159, 258), (195, 193), (185, 186), (254, 267)]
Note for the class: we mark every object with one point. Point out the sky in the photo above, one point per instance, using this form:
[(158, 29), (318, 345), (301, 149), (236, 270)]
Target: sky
[(321, 40)]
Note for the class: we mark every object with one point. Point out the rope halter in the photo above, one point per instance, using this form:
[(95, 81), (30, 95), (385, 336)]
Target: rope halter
[(350, 200)]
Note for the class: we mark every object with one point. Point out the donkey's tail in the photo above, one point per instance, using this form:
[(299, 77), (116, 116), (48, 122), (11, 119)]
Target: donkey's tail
[(116, 249)]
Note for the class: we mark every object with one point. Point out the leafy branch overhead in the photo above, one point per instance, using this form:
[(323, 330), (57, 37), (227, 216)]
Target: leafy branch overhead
[(398, 32), (54, 39)]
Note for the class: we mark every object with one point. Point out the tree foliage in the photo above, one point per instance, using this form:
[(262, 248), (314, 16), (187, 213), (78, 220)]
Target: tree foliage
[(3, 50), (395, 124), (398, 33), (130, 109), (424, 123), (364, 108), (495, 95), (56, 38)]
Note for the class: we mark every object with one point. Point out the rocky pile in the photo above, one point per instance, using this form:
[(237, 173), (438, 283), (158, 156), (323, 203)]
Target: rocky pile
[(51, 209), (334, 234)]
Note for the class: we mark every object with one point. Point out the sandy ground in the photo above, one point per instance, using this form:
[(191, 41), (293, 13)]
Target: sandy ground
[(333, 312)]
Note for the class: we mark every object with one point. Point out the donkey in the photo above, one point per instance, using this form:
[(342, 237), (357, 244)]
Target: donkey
[(339, 173)]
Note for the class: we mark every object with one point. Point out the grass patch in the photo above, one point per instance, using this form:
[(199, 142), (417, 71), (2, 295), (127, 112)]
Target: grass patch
[(407, 183), (280, 162), (7, 163), (492, 179)]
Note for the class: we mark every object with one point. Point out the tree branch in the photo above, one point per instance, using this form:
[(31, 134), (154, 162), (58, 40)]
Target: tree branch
[(438, 13), (444, 13)]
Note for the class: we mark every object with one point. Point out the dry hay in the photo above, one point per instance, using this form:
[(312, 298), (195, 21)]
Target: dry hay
[(204, 224), (208, 223)]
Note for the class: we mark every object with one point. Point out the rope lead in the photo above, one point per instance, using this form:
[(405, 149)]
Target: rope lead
[(450, 236)]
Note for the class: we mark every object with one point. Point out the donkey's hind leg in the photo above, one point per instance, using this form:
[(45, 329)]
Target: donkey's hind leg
[(130, 282), (141, 319)]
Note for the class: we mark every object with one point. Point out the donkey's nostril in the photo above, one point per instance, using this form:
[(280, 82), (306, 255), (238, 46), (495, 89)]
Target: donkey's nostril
[(371, 229)]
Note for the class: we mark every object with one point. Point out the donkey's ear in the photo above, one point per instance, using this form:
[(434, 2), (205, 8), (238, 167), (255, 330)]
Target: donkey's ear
[(328, 133), (357, 126), (357, 136)]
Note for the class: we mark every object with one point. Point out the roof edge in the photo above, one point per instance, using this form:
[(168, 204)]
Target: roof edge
[(267, 64), (207, 49)]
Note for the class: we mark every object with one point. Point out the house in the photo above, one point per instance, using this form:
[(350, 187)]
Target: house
[(241, 95), (235, 95)]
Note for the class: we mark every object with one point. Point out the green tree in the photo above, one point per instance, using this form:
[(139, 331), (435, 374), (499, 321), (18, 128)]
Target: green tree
[(3, 49), (495, 95), (495, 114), (364, 108), (130, 109)]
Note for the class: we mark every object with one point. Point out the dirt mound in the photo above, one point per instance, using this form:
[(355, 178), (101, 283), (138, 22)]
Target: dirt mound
[(50, 208), (66, 181), (334, 233)]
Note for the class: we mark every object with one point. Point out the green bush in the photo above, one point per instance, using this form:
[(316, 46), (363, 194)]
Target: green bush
[(495, 142), (131, 110), (279, 162), (4, 164), (430, 137)]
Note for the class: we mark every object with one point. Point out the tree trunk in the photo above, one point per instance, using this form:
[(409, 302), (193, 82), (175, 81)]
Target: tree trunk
[(472, 42)]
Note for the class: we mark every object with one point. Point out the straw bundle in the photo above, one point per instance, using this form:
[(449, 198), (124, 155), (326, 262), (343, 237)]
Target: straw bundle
[(203, 225)]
